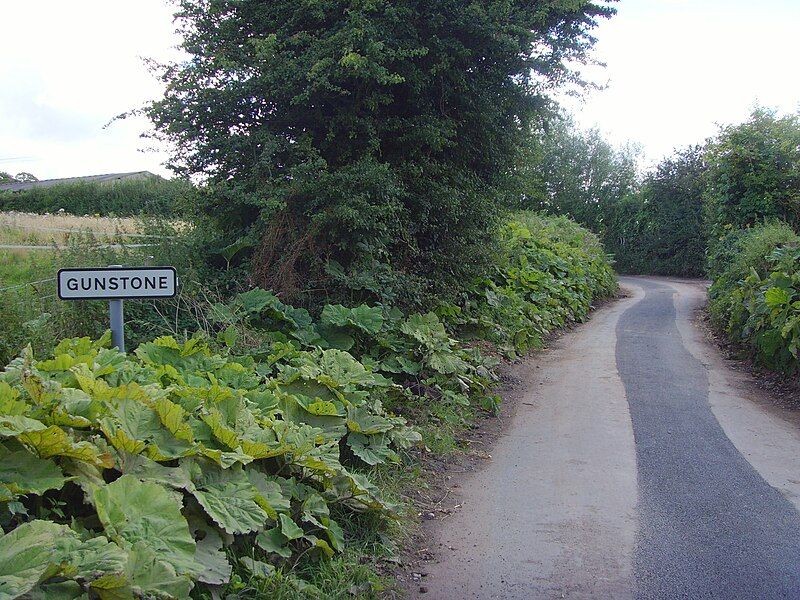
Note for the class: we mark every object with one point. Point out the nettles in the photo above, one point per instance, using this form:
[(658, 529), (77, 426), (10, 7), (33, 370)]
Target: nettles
[(124, 476)]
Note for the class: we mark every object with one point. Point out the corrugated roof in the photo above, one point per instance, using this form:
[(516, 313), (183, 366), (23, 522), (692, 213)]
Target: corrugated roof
[(108, 177)]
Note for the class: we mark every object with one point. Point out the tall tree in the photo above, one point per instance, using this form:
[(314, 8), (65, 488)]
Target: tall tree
[(577, 173), (369, 140), (754, 172)]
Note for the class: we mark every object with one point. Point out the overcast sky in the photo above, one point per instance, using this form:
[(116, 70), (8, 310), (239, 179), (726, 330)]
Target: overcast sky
[(675, 69), (66, 69)]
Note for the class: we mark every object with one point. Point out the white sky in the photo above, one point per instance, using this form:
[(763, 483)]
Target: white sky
[(67, 67), (675, 69)]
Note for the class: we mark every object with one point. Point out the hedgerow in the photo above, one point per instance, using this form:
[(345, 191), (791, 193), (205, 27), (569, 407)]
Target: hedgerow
[(243, 449), (155, 196), (549, 272), (756, 294)]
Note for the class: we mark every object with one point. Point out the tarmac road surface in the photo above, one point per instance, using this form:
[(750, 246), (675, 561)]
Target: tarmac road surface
[(638, 465)]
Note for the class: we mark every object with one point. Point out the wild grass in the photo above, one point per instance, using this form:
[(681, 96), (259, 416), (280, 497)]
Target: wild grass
[(32, 229), (19, 267)]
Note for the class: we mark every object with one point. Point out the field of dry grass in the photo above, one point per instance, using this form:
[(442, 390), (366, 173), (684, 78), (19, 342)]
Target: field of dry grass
[(27, 229)]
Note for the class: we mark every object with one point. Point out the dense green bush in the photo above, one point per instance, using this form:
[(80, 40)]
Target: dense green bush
[(128, 476), (732, 257), (548, 273), (672, 235), (154, 196), (754, 172), (365, 142), (755, 297)]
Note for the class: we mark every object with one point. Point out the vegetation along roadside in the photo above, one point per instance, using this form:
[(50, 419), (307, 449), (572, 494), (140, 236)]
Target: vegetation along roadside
[(269, 450)]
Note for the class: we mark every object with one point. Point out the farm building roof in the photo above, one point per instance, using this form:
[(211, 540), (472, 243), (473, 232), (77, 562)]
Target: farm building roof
[(17, 186)]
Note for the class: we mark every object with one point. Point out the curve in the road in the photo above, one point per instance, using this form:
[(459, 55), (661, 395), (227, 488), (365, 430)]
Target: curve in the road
[(709, 525), (630, 469)]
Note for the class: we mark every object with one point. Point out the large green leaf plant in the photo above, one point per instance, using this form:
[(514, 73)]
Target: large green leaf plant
[(128, 476)]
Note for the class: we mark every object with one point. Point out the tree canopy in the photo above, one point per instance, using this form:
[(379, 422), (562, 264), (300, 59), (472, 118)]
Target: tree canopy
[(365, 140), (663, 222), (754, 172), (567, 171), (672, 235), (19, 177)]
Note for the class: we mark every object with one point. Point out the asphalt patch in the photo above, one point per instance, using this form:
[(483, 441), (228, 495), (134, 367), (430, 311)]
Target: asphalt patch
[(710, 526)]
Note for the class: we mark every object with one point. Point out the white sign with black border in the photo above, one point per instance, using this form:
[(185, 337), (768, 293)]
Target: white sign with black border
[(117, 283)]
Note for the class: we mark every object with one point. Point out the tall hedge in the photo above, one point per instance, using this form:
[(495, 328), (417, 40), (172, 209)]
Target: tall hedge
[(363, 140), (123, 198)]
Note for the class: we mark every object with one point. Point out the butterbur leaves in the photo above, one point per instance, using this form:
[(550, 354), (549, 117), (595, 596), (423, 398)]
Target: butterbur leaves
[(776, 297), (230, 499), (38, 551), (26, 556), (24, 473), (176, 451), (210, 554), (14, 425), (762, 310), (54, 441), (150, 575), (362, 420), (257, 568), (372, 450), (289, 529), (365, 319), (273, 541), (133, 511)]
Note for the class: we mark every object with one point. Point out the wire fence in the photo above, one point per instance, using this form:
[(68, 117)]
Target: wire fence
[(23, 285), (62, 247), (91, 232), (55, 247)]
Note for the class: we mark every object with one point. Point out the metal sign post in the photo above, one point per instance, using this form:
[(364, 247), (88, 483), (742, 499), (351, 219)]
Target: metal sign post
[(116, 312), (116, 284), (116, 317)]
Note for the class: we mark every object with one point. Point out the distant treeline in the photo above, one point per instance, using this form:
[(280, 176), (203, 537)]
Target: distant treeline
[(728, 209), (667, 220), (154, 196)]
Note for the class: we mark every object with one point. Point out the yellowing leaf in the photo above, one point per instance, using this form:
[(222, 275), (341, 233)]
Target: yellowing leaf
[(172, 416), (54, 441)]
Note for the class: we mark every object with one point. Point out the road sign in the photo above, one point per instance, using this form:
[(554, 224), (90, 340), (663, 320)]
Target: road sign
[(117, 283)]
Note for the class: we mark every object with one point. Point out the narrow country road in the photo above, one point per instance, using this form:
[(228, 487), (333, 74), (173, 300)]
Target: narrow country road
[(637, 465)]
